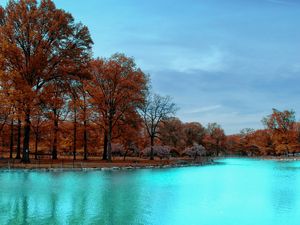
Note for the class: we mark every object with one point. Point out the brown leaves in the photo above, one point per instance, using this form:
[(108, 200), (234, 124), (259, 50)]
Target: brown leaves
[(117, 86), (43, 43)]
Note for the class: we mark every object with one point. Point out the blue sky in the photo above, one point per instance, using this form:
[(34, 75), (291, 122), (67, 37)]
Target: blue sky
[(228, 62)]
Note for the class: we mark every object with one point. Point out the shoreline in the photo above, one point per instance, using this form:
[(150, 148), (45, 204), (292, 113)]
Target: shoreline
[(118, 164), (93, 165), (276, 158), (281, 158)]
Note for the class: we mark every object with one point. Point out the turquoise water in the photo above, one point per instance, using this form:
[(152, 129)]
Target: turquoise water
[(235, 191)]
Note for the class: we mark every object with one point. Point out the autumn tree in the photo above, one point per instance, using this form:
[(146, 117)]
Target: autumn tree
[(156, 109), (233, 145), (38, 44), (4, 120), (118, 87), (194, 133), (5, 110), (84, 114), (19, 128), (38, 120), (171, 133), (297, 131), (281, 124), (128, 132), (74, 105), (215, 138), (54, 103), (263, 140), (245, 135)]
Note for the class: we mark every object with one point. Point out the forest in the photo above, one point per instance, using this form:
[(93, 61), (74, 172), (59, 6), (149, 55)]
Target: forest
[(57, 100)]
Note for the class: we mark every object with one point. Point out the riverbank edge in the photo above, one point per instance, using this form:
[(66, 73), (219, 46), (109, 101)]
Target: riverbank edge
[(275, 158), (106, 166)]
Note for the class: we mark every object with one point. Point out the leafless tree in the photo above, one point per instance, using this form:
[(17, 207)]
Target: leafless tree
[(154, 110)]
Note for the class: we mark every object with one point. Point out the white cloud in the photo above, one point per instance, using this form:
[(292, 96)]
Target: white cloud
[(185, 60), (210, 61), (203, 109)]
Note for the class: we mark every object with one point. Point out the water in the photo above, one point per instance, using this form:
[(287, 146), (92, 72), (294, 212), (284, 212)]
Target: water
[(235, 191)]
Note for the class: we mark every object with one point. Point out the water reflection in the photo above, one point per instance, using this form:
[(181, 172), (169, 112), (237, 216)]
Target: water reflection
[(285, 196), (230, 193)]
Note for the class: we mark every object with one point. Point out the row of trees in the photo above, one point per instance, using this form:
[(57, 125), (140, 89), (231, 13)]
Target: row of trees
[(42, 50), (281, 136), (56, 99), (52, 87)]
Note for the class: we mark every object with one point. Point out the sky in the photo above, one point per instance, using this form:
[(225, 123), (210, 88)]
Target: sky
[(228, 62)]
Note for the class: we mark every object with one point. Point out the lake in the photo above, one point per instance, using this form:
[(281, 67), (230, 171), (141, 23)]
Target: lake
[(234, 191)]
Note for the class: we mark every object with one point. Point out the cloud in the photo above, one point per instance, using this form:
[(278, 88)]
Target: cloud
[(231, 65), (212, 60), (230, 120), (184, 60), (203, 109)]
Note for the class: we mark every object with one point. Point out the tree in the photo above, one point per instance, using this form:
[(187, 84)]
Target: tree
[(38, 120), (171, 132), (280, 121), (128, 133), (74, 104), (54, 104), (281, 125), (195, 151), (215, 138), (19, 126), (85, 114), (154, 111), (11, 143), (246, 135), (246, 131), (38, 44), (5, 110), (158, 150), (117, 88), (263, 140), (194, 133)]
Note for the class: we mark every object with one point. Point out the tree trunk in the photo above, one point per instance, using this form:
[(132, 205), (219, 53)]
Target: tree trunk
[(18, 156), (217, 148), (196, 154), (2, 143), (54, 148), (25, 156), (11, 145), (109, 138), (151, 151), (74, 135), (85, 140), (104, 157), (36, 143), (125, 154)]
